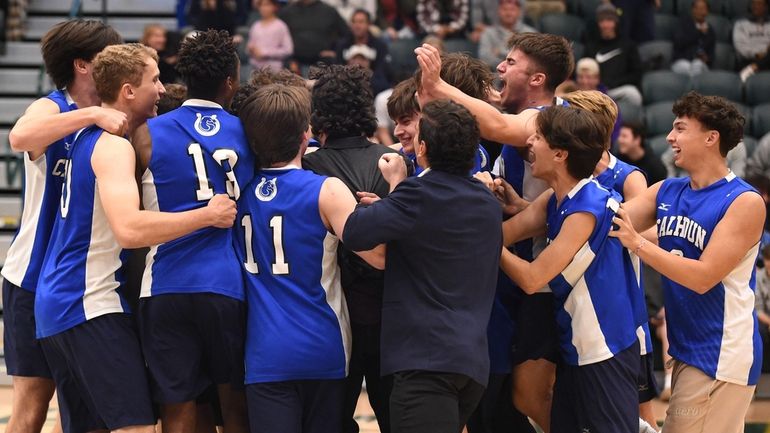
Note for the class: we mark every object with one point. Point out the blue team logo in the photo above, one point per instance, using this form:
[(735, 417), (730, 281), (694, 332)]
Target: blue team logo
[(266, 189), (206, 125)]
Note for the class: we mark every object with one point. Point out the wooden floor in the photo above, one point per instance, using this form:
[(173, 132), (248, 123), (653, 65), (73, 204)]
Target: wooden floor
[(758, 418)]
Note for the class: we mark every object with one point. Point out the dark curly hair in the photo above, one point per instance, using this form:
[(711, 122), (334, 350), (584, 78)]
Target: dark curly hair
[(205, 61), (713, 112), (240, 96), (343, 105), (173, 98), (471, 75), (451, 135), (578, 132), (264, 76), (71, 40)]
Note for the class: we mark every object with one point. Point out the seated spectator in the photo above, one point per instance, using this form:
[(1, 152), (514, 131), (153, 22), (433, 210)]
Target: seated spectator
[(219, 15), (618, 58), (166, 44), (631, 149), (315, 28), (637, 19), (443, 18), (751, 35), (694, 41), (493, 43), (759, 163), (762, 304), (397, 18), (348, 8), (588, 77), (269, 38), (537, 8), (360, 42)]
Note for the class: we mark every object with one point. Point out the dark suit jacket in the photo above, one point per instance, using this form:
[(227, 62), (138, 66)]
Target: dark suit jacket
[(444, 236)]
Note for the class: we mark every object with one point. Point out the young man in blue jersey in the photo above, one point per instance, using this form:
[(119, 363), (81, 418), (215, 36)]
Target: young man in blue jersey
[(88, 339), (709, 227), (42, 133), (290, 222), (190, 324), (441, 275), (534, 66), (596, 376)]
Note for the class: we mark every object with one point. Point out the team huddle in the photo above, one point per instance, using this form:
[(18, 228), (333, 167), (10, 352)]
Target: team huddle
[(290, 257)]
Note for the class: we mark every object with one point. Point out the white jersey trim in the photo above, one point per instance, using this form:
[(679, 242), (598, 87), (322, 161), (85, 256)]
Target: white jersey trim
[(20, 253), (150, 202), (335, 298), (102, 262), (736, 354)]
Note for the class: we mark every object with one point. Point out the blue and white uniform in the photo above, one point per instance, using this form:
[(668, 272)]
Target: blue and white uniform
[(43, 179), (480, 161), (297, 322), (198, 150), (614, 178), (82, 268), (593, 310), (717, 331)]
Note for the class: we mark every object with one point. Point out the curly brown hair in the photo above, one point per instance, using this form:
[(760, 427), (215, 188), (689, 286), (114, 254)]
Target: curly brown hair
[(713, 112)]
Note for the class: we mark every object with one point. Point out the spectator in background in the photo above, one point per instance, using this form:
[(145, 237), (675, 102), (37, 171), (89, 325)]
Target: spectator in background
[(166, 44), (618, 58), (759, 163), (397, 18), (762, 305), (637, 19), (315, 28), (362, 43), (494, 38), (219, 15), (751, 35), (536, 8), (632, 149), (348, 8), (588, 77), (269, 38), (443, 18), (694, 41)]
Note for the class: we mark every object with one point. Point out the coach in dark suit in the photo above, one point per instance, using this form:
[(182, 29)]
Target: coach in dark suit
[(443, 237)]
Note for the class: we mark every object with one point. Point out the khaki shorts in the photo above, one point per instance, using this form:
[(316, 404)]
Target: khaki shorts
[(701, 404)]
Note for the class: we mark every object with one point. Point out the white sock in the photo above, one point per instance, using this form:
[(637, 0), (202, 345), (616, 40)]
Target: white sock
[(667, 381)]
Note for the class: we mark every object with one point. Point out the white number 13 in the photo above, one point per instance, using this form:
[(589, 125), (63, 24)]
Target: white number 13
[(204, 191)]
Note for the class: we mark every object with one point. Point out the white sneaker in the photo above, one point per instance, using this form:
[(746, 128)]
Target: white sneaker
[(644, 427)]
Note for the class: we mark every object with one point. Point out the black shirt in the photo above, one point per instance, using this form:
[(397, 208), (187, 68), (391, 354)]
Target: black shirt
[(650, 164)]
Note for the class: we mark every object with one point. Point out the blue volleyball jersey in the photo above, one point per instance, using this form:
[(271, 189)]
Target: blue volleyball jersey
[(480, 161), (41, 191), (717, 331), (297, 323), (614, 178), (198, 150), (594, 310), (82, 268)]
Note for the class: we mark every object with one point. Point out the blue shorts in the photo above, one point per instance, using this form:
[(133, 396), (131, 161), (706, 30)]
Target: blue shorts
[(296, 406), (101, 380), (536, 333), (23, 354), (598, 398), (190, 342), (648, 385)]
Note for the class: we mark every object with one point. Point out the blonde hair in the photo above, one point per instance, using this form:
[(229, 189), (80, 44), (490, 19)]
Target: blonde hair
[(120, 64), (602, 107), (148, 29), (587, 65)]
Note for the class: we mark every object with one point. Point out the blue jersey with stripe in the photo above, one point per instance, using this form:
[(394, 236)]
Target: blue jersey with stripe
[(41, 191), (297, 323), (717, 331), (614, 178), (594, 310), (480, 161), (81, 272), (198, 150)]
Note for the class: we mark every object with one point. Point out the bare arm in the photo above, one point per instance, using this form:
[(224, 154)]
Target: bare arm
[(576, 230), (113, 164), (42, 124), (530, 222), (336, 203), (641, 209), (716, 261), (493, 125)]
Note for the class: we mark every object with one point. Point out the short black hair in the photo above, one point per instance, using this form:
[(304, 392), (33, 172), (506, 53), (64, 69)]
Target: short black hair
[(206, 60), (343, 105), (362, 11), (71, 40), (713, 112), (451, 135), (576, 131)]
